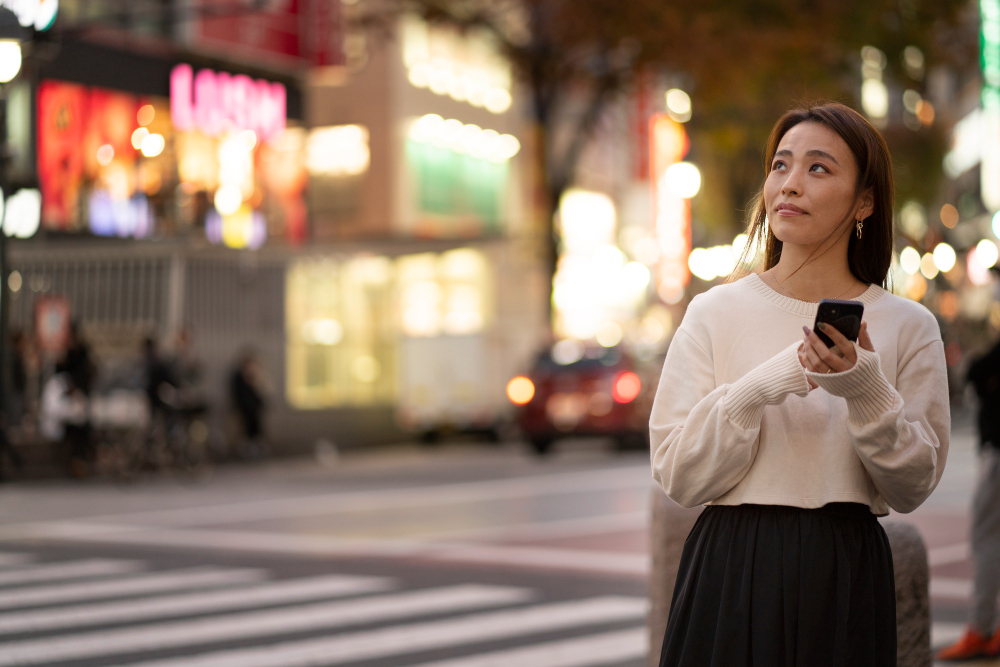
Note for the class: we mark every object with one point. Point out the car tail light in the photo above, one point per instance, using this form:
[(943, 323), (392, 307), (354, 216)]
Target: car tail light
[(520, 390), (626, 387)]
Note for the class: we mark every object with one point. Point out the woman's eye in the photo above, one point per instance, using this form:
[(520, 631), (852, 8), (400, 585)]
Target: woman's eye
[(819, 167), (777, 164)]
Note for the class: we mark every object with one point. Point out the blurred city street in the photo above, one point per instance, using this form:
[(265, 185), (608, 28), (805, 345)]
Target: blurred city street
[(454, 555), (330, 329), (443, 556)]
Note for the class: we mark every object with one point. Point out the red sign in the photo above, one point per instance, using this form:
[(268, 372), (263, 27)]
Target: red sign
[(668, 144), (291, 33)]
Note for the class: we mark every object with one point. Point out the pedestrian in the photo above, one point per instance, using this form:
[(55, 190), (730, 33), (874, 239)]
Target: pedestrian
[(78, 364), (64, 415), (982, 638), (797, 448), (247, 391), (159, 380), (78, 360), (18, 378)]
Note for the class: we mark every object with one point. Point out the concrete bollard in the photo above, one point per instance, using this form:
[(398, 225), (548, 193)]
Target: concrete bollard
[(913, 604), (670, 525)]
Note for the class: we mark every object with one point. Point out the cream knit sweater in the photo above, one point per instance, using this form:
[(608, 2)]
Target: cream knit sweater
[(734, 421)]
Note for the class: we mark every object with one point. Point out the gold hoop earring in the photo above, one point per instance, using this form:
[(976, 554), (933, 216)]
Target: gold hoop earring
[(860, 225)]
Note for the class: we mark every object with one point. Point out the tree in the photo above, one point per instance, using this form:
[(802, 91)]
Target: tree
[(742, 61)]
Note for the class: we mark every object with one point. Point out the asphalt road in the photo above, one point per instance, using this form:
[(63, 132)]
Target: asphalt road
[(464, 555)]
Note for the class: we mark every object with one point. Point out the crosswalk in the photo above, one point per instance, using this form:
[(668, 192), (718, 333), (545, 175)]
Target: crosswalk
[(126, 613)]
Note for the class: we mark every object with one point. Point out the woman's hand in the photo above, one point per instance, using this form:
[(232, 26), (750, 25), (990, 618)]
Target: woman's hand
[(816, 357)]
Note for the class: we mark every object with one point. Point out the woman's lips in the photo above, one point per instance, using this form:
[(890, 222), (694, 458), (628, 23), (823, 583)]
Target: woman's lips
[(790, 211)]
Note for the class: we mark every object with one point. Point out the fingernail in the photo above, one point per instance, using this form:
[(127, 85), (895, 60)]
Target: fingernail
[(822, 326), (805, 330)]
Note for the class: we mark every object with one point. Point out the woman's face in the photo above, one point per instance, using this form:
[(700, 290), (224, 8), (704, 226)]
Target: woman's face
[(809, 190)]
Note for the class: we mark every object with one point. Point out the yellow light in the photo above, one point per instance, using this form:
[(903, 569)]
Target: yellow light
[(636, 276), (365, 369), (153, 145), (10, 59), (145, 114), (944, 257), (678, 105), (875, 98), (927, 266), (322, 332), (428, 127), (228, 199), (909, 259), (497, 100), (450, 131), (138, 137), (249, 138), (419, 75), (609, 334), (14, 281), (987, 253), (700, 263), (683, 180), (586, 220), (520, 390), (440, 79), (471, 139), (341, 150)]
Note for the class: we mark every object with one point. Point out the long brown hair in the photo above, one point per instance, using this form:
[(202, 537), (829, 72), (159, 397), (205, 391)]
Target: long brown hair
[(869, 257)]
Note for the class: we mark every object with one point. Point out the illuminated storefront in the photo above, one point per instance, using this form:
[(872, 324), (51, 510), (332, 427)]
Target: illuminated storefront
[(215, 158), (350, 322)]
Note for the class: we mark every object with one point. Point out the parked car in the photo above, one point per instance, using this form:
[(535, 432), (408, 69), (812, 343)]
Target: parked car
[(573, 390)]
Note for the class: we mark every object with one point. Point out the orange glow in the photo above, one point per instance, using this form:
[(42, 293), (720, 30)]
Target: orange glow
[(627, 387), (949, 216), (145, 115), (520, 390)]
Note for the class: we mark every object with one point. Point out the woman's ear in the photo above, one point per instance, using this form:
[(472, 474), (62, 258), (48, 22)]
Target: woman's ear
[(866, 205)]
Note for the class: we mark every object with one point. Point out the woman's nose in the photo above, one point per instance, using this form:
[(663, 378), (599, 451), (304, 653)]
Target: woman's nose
[(791, 184)]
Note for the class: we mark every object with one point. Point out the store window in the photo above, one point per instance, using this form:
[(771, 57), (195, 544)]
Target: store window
[(341, 333), (460, 175), (117, 164), (345, 320)]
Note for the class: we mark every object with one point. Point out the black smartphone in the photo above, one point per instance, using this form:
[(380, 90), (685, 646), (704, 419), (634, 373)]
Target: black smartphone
[(844, 315)]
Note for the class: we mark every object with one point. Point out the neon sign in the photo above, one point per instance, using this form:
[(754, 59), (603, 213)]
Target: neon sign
[(668, 145), (216, 102)]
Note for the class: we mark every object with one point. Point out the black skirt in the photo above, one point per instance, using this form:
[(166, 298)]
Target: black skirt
[(771, 586)]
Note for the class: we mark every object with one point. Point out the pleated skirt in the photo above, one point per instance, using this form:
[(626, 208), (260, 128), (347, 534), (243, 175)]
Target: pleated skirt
[(777, 586)]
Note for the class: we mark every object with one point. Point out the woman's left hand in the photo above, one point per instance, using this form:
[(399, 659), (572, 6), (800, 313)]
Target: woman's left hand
[(816, 357)]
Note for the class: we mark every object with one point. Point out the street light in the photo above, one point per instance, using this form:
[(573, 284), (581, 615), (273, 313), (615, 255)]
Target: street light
[(10, 59)]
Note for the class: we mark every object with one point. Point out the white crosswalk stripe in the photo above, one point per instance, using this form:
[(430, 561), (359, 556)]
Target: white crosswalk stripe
[(257, 624), (94, 567), (198, 577), (400, 640), (240, 617), (604, 649), (275, 593)]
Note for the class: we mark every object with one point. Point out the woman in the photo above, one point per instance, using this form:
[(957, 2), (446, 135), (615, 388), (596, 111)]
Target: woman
[(796, 448)]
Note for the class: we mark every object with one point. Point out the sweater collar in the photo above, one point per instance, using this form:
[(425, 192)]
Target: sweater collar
[(805, 308)]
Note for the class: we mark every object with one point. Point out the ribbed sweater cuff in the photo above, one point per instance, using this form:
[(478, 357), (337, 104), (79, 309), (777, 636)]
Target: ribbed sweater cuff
[(869, 395), (768, 384)]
